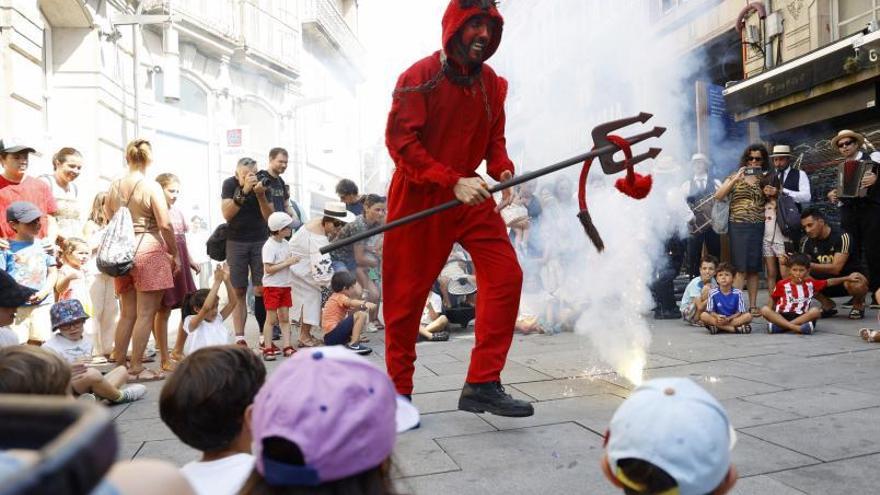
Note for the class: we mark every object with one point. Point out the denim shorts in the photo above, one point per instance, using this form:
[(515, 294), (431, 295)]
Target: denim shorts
[(341, 333)]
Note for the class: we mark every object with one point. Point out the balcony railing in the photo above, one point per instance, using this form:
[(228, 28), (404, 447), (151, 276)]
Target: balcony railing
[(273, 35), (320, 18)]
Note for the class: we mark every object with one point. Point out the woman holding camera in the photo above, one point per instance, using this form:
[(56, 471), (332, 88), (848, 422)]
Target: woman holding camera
[(746, 227)]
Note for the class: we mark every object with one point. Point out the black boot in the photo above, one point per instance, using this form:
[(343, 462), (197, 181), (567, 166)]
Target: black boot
[(491, 397)]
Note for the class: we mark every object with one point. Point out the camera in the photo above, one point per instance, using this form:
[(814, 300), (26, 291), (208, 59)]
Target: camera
[(752, 171), (264, 178)]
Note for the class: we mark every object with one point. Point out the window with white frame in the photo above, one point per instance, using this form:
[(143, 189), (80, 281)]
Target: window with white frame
[(852, 16)]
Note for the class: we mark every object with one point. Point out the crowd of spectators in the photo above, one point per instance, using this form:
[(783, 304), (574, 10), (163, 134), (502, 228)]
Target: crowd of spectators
[(776, 225)]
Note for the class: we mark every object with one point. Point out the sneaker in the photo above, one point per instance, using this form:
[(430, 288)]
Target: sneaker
[(359, 348), (807, 328), (371, 328), (774, 328), (132, 393), (240, 341), (490, 397), (89, 397), (874, 305)]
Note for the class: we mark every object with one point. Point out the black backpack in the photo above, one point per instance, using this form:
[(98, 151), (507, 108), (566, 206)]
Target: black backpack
[(216, 244), (788, 216)]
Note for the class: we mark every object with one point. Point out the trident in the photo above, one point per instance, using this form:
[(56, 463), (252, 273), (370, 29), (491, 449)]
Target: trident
[(605, 146)]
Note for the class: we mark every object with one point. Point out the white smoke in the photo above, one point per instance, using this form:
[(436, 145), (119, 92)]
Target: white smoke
[(571, 65)]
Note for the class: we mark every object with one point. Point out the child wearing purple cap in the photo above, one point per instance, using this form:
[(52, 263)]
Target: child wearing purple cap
[(325, 422), (68, 319), (29, 264)]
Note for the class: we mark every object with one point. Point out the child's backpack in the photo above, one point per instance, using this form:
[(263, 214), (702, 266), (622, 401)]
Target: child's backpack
[(115, 256)]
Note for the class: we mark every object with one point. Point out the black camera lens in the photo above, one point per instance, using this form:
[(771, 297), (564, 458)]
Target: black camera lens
[(265, 181)]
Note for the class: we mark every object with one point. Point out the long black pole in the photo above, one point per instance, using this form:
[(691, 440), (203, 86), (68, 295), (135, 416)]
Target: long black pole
[(519, 179)]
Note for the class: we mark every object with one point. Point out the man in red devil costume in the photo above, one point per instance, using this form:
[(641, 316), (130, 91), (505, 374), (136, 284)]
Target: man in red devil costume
[(447, 116)]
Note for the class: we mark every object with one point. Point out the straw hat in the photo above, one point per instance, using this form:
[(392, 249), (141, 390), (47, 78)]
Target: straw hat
[(850, 134), (781, 150)]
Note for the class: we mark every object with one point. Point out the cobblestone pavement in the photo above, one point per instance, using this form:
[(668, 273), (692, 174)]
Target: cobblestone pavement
[(806, 409)]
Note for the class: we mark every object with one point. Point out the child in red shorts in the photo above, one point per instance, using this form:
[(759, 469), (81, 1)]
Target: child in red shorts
[(277, 260)]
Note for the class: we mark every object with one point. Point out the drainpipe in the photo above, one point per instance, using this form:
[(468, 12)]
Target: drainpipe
[(171, 78), (136, 61)]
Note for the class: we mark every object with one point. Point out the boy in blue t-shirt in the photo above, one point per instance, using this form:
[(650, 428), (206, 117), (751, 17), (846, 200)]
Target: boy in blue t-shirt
[(726, 308), (29, 264), (696, 294)]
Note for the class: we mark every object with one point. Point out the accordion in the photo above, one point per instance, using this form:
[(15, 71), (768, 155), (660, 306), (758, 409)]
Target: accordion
[(849, 178)]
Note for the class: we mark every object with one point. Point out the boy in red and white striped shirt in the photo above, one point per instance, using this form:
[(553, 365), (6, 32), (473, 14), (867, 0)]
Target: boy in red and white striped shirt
[(789, 307)]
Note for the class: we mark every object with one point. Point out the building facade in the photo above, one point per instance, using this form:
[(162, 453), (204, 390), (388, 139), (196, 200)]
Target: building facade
[(206, 81)]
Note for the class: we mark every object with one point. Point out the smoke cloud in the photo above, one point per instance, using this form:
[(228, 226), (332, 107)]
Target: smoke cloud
[(572, 65)]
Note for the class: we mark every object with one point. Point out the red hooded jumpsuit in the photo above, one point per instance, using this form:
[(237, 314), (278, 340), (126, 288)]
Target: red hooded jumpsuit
[(435, 137)]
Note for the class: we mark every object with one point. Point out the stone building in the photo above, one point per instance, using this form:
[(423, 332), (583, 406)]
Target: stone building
[(207, 81)]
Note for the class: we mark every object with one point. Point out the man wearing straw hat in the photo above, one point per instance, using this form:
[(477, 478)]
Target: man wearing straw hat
[(794, 183), (860, 212), (447, 116)]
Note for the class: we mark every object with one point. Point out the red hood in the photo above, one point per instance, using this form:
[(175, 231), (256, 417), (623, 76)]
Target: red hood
[(455, 17)]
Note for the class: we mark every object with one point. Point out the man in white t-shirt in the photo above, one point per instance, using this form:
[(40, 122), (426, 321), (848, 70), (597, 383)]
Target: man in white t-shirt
[(204, 403)]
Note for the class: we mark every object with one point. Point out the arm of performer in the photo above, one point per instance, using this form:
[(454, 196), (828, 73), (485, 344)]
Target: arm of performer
[(725, 188)]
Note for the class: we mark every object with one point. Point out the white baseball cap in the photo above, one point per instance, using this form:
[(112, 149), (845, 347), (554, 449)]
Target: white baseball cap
[(678, 427), (279, 220)]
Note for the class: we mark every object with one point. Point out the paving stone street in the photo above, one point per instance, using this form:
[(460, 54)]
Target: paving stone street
[(805, 408)]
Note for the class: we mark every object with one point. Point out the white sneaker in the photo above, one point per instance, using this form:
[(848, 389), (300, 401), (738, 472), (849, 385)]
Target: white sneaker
[(88, 397), (371, 328), (132, 393)]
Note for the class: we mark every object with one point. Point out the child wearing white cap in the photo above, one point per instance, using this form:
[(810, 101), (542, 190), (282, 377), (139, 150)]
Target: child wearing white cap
[(670, 437)]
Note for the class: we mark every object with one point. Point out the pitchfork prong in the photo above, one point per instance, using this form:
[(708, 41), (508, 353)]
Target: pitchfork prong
[(651, 153), (600, 139)]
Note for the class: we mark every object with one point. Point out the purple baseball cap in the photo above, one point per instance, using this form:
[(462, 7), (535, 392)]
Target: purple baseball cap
[(335, 406)]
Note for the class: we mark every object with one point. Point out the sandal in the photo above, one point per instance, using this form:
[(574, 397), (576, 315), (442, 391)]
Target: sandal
[(169, 366), (857, 314), (268, 354), (713, 330), (865, 334), (177, 356), (379, 325), (441, 336), (828, 313), (288, 351), (145, 375), (309, 342)]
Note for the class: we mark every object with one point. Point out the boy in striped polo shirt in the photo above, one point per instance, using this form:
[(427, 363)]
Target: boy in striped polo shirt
[(789, 307), (726, 309)]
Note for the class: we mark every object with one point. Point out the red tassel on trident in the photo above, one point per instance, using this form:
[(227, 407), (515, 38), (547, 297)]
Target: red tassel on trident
[(633, 185)]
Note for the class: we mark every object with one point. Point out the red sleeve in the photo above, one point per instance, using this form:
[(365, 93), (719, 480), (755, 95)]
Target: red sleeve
[(405, 123), (779, 290), (497, 160), (819, 285)]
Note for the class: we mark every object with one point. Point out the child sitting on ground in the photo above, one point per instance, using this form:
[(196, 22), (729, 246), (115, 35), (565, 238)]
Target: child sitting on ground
[(341, 325), (433, 325), (204, 324), (726, 308), (696, 294), (29, 264), (68, 319), (12, 295), (204, 402), (792, 297), (670, 436)]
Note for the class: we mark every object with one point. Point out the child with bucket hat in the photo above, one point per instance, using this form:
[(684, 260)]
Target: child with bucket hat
[(68, 318), (670, 437), (335, 434)]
